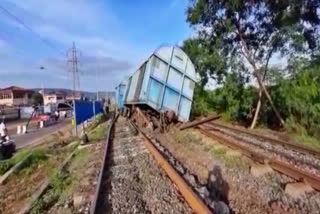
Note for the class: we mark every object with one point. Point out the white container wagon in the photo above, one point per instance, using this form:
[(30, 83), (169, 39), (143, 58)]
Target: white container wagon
[(165, 81)]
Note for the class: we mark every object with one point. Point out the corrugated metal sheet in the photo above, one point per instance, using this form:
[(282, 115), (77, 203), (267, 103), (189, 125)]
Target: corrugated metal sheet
[(188, 87), (155, 92), (120, 95), (171, 100), (159, 69), (175, 79), (179, 59), (133, 86), (185, 107)]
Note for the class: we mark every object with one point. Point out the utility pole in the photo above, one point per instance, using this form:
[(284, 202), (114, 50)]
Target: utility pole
[(73, 61), (97, 85)]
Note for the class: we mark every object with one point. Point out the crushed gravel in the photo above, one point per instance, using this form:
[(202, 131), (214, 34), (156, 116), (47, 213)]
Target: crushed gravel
[(303, 161), (243, 192), (133, 182)]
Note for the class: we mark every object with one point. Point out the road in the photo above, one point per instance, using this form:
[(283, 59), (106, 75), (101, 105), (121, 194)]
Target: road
[(35, 135)]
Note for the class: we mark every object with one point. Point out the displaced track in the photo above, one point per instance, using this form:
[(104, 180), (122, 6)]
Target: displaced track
[(132, 181), (265, 139), (295, 164)]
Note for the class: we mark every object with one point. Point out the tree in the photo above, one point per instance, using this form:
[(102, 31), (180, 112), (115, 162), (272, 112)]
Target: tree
[(207, 61), (253, 31), (37, 99)]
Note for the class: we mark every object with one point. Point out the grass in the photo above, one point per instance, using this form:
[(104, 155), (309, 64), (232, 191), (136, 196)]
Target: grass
[(63, 184), (99, 133), (7, 164), (186, 138), (218, 151), (100, 118), (306, 140), (36, 158), (58, 184), (234, 162)]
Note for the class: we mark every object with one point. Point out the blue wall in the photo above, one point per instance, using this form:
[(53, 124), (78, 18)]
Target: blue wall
[(85, 110)]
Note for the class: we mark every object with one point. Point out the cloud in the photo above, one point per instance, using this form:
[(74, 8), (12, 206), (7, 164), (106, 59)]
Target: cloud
[(103, 65), (3, 44), (110, 42)]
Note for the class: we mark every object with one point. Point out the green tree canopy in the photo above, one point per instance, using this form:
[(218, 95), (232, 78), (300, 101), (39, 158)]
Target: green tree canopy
[(252, 31), (37, 99)]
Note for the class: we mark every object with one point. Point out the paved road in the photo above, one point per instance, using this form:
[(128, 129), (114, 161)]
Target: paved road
[(34, 135), (12, 125)]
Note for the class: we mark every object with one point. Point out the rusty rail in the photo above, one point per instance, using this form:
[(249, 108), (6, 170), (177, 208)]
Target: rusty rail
[(93, 208), (192, 198), (275, 164), (271, 140)]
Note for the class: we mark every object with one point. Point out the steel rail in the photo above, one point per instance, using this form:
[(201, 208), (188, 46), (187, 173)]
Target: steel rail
[(189, 195), (93, 208), (271, 140), (277, 165)]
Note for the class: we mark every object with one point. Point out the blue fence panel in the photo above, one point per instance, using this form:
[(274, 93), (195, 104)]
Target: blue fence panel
[(84, 110), (98, 107)]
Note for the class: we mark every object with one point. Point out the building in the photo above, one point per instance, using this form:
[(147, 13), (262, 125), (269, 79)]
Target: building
[(54, 98), (15, 96), (70, 98)]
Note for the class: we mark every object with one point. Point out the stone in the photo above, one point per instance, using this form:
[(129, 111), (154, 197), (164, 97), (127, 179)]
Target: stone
[(180, 169), (258, 170), (298, 189), (78, 200), (191, 179), (203, 191), (220, 207)]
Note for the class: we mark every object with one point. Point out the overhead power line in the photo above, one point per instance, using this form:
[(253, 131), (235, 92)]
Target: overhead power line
[(17, 19)]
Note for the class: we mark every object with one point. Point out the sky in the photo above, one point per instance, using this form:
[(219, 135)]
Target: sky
[(112, 38)]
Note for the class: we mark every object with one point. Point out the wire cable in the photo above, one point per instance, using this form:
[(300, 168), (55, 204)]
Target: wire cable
[(18, 20)]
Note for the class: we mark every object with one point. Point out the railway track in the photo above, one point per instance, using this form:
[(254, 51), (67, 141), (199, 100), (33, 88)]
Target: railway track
[(297, 162), (132, 181), (263, 138)]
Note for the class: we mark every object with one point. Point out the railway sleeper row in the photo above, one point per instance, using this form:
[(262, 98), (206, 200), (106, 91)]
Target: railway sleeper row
[(306, 182), (132, 181)]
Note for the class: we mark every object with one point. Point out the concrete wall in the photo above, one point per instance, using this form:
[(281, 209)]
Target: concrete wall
[(53, 99), (26, 112), (16, 101)]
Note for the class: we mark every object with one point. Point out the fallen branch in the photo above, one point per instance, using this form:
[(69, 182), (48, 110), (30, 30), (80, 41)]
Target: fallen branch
[(196, 123)]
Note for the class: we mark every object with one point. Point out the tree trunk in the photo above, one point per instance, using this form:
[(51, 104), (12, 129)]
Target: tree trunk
[(262, 86), (256, 114), (260, 82)]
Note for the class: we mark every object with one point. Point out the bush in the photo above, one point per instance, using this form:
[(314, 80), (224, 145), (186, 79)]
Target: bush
[(299, 100), (234, 100), (296, 96)]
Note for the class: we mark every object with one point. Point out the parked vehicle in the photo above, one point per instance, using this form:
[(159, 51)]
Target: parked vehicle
[(7, 148), (164, 82), (46, 118)]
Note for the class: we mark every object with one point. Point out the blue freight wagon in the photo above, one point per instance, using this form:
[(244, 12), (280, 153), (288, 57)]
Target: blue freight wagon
[(165, 81), (120, 95)]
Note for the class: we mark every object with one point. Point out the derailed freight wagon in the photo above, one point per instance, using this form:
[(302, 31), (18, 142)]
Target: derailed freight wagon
[(164, 82), (120, 95)]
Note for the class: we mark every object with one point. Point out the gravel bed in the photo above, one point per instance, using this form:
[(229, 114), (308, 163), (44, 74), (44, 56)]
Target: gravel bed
[(205, 191), (300, 160), (244, 193), (133, 183)]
